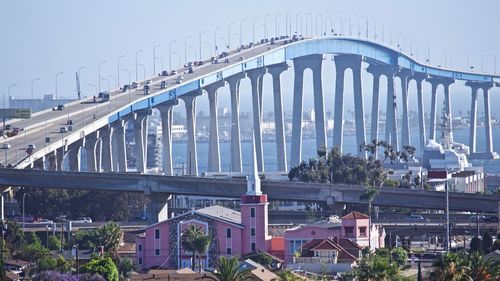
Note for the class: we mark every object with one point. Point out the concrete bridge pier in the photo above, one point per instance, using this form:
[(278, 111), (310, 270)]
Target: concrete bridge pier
[(434, 84), (391, 128), (473, 116), (487, 120), (404, 76), (59, 155), (421, 120), (192, 158), (316, 64), (255, 76), (299, 64), (343, 62), (73, 156), (90, 145), (275, 71), (141, 138), (166, 126), (158, 207), (118, 148), (213, 146), (446, 84), (106, 134), (234, 87), (376, 72), (39, 164)]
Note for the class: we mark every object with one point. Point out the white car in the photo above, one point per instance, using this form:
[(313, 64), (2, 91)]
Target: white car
[(82, 220)]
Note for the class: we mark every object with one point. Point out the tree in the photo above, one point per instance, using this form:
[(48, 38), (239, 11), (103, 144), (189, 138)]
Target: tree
[(125, 267), (33, 252), (188, 236), (228, 269), (486, 242), (14, 236), (400, 256), (287, 275), (54, 243), (496, 245), (480, 270), (201, 244), (451, 267), (103, 266), (110, 236), (475, 244)]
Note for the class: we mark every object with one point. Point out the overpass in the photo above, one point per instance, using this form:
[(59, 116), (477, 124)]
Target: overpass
[(234, 188), (97, 140)]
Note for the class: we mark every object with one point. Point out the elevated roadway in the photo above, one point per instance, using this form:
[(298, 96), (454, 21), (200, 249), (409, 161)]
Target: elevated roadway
[(233, 188)]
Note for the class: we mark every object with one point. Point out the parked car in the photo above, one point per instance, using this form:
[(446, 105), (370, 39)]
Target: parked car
[(82, 220)]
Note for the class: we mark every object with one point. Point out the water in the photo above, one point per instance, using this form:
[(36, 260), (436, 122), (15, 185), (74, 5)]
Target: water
[(309, 150)]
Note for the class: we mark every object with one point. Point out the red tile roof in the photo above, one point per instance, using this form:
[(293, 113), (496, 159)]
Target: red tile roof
[(355, 215), (328, 244)]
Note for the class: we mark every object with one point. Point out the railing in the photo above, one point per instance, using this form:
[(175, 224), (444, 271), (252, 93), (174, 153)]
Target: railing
[(315, 260)]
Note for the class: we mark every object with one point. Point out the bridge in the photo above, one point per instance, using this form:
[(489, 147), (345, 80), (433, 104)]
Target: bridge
[(96, 142), (234, 188)]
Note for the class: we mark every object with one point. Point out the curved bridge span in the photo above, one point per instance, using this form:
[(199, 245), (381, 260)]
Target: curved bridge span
[(97, 142)]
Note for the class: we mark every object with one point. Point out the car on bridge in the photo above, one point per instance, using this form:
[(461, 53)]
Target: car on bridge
[(415, 218), (58, 108), (82, 220), (491, 219)]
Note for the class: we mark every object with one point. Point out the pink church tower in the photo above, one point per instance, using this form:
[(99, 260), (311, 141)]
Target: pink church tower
[(254, 211)]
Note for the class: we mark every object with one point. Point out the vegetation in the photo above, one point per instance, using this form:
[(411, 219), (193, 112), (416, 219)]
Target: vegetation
[(383, 264), (100, 205), (195, 241), (103, 266), (110, 236), (229, 269), (463, 266), (287, 275)]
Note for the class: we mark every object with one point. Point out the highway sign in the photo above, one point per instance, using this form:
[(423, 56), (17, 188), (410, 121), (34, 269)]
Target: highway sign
[(15, 113)]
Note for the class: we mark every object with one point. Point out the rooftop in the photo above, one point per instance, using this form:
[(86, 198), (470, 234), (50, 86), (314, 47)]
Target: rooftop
[(355, 215), (222, 213)]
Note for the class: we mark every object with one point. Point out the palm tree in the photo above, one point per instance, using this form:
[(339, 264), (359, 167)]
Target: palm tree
[(228, 269), (369, 194), (201, 244), (189, 236), (481, 270)]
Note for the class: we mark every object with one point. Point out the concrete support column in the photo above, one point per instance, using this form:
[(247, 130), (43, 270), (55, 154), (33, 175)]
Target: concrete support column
[(473, 117), (192, 158), (375, 102), (447, 99), (421, 120), (296, 141), (59, 153), (391, 121), (256, 81), (213, 146), (276, 71), (73, 156), (119, 148), (234, 87), (432, 129), (141, 139), (338, 113), (107, 157), (319, 103), (405, 129), (90, 145), (166, 127), (359, 111), (487, 121)]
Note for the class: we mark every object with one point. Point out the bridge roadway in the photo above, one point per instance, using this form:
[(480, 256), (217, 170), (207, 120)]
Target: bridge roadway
[(233, 188), (88, 116)]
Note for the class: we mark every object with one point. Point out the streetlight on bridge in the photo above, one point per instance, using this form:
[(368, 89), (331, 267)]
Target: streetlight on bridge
[(154, 57), (178, 59), (194, 52), (229, 34), (276, 25), (32, 83), (241, 31), (80, 77), (253, 28), (185, 48), (199, 41), (99, 80), (215, 38), (265, 25), (129, 82), (170, 53), (118, 71), (57, 97), (136, 54), (96, 103)]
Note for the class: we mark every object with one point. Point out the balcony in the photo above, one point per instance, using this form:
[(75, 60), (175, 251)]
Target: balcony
[(322, 260)]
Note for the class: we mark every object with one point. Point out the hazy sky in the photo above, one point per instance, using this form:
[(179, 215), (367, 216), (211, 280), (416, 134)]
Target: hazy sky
[(42, 38)]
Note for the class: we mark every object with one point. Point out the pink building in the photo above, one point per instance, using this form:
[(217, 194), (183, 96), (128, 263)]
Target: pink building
[(353, 226), (233, 233)]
